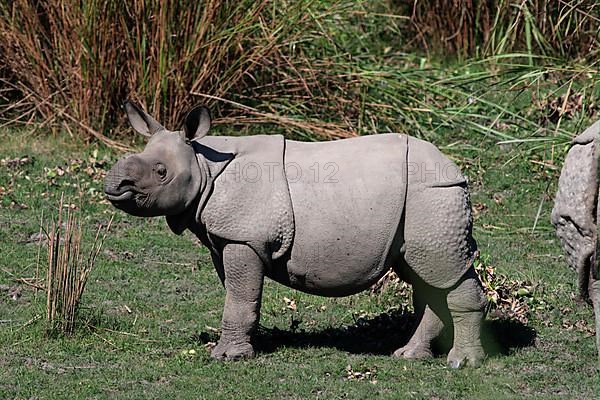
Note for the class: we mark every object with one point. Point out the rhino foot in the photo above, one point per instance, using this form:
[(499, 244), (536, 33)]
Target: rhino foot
[(232, 351), (472, 356), (414, 352)]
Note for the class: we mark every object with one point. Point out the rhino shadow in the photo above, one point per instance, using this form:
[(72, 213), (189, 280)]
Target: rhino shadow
[(383, 334)]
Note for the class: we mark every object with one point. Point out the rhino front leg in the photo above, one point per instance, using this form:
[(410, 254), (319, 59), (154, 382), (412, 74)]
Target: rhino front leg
[(244, 275)]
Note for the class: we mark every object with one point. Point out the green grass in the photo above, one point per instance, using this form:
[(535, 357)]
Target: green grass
[(154, 296)]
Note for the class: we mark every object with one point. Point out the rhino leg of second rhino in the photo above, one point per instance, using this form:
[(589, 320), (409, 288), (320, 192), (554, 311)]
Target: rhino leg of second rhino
[(594, 292), (244, 275)]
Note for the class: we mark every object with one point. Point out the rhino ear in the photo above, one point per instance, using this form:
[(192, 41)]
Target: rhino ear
[(197, 123), (142, 122)]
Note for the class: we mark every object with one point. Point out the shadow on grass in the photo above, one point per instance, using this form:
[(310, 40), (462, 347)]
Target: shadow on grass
[(383, 334)]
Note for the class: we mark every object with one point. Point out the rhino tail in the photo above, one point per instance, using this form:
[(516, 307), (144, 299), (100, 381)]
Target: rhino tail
[(574, 215)]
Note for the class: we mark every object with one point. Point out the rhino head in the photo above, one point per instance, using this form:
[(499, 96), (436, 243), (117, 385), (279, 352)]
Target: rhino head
[(165, 178)]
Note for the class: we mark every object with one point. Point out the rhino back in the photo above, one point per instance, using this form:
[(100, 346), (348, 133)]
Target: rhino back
[(429, 167), (347, 198)]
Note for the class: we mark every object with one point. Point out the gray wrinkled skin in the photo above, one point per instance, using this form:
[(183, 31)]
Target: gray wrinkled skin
[(326, 218), (575, 215)]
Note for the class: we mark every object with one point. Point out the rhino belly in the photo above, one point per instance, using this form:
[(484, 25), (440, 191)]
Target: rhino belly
[(332, 268), (347, 198)]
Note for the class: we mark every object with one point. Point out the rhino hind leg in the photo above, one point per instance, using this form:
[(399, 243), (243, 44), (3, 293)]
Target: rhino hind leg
[(466, 302), (437, 260), (460, 309), (429, 307), (419, 345)]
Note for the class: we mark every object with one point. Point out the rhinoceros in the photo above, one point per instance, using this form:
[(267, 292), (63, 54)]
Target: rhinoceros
[(575, 215), (327, 218)]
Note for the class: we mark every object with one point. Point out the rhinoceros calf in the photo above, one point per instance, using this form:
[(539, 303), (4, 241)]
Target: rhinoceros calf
[(575, 215), (326, 218)]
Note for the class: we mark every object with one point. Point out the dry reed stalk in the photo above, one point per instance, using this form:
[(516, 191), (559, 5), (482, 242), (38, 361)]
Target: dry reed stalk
[(68, 268)]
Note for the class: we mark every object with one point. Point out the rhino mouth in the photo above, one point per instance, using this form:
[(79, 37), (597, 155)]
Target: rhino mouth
[(131, 201), (116, 198)]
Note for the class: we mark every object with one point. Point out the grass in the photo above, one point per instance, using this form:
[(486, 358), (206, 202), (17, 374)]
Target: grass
[(71, 65), (153, 302)]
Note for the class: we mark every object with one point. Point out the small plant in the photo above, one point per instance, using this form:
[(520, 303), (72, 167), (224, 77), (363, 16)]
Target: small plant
[(68, 268), (507, 298)]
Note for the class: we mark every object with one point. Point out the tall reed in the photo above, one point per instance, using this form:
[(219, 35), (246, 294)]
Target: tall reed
[(76, 62), (558, 28), (316, 68)]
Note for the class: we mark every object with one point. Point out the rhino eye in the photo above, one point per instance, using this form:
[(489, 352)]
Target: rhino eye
[(161, 171)]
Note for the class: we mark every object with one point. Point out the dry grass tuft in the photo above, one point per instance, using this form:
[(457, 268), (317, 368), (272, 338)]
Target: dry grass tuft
[(68, 268)]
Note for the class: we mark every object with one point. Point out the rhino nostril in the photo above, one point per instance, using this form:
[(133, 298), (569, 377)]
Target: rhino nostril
[(125, 182)]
